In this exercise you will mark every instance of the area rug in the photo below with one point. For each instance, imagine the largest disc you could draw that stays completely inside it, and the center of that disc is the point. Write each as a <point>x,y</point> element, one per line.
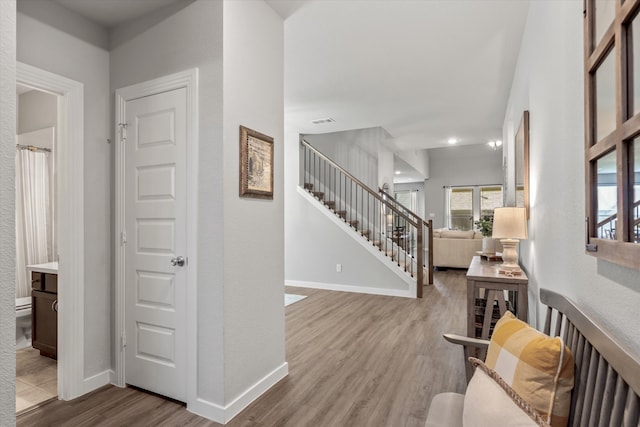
<point>291,298</point>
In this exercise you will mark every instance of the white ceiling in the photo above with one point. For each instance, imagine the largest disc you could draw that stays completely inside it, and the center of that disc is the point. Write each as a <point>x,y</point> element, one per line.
<point>424,70</point>
<point>111,13</point>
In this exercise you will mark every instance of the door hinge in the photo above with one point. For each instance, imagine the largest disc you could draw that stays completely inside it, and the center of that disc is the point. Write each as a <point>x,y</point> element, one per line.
<point>123,339</point>
<point>123,238</point>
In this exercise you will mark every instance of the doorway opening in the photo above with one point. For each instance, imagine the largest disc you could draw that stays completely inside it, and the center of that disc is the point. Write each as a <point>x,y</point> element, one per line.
<point>36,248</point>
<point>69,228</point>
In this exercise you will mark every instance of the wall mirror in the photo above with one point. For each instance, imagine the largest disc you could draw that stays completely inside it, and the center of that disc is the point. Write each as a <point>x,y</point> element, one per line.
<point>522,163</point>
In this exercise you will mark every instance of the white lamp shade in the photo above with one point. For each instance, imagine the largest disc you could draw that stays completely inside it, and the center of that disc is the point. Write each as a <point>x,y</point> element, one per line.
<point>510,223</point>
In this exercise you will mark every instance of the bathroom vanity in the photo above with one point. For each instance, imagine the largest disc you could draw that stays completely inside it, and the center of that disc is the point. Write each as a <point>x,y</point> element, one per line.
<point>44,308</point>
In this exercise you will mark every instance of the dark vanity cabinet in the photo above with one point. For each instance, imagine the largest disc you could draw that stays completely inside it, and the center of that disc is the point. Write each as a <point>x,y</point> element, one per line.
<point>44,313</point>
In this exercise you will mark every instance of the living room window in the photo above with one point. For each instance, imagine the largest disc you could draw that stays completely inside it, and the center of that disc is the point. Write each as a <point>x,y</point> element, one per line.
<point>490,198</point>
<point>460,211</point>
<point>612,130</point>
<point>467,204</point>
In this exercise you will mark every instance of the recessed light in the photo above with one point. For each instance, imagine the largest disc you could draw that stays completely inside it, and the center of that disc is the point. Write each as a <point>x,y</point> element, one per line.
<point>494,144</point>
<point>397,172</point>
<point>323,121</point>
<point>452,141</point>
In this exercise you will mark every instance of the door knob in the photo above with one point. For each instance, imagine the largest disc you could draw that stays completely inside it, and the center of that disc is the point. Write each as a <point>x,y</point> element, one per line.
<point>177,261</point>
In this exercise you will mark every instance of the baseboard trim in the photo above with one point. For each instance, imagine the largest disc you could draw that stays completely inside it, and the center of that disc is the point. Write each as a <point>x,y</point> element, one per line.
<point>223,415</point>
<point>351,288</point>
<point>96,381</point>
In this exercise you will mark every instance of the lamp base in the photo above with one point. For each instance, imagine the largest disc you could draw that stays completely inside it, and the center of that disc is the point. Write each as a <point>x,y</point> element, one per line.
<point>510,265</point>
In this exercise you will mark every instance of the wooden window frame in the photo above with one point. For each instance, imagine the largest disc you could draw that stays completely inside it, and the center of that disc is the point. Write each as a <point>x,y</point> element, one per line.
<point>621,250</point>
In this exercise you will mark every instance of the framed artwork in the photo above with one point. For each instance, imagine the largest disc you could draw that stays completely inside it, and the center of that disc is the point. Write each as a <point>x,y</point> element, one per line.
<point>522,163</point>
<point>256,164</point>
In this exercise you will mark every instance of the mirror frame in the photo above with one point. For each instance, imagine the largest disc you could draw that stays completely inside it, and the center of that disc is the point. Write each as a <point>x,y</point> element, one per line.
<point>521,152</point>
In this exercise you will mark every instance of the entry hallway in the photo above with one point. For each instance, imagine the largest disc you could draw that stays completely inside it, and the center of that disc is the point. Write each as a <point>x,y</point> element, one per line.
<point>354,360</point>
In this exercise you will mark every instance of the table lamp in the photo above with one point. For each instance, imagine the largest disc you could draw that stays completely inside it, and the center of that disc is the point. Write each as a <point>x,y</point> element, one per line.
<point>510,226</point>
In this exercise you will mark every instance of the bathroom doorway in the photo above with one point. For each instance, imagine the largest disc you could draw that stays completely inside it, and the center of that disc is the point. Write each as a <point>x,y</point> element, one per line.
<point>69,153</point>
<point>36,248</point>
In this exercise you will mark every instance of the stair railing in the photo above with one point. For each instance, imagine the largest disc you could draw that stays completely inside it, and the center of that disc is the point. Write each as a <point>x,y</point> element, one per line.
<point>376,219</point>
<point>427,244</point>
<point>607,227</point>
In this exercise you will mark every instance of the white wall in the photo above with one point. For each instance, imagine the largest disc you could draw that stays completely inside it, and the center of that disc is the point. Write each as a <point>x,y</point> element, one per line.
<point>7,211</point>
<point>54,50</point>
<point>238,48</point>
<point>549,83</point>
<point>37,110</point>
<point>254,229</point>
<point>455,166</point>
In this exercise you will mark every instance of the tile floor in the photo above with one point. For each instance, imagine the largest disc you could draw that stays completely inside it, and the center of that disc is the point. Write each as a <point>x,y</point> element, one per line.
<point>36,378</point>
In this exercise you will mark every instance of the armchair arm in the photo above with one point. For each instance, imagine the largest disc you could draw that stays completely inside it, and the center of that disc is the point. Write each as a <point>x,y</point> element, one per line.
<point>471,347</point>
<point>466,341</point>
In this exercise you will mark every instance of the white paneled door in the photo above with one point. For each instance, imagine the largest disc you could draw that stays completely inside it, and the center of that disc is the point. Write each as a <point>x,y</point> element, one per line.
<point>156,260</point>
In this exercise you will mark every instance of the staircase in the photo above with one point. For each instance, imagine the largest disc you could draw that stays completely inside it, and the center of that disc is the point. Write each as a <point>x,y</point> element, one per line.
<point>376,217</point>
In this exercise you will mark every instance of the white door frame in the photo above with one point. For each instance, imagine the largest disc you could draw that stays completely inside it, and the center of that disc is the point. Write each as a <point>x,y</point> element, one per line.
<point>69,157</point>
<point>187,79</point>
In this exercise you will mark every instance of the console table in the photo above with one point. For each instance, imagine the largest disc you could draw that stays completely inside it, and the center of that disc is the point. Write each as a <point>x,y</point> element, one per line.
<point>486,301</point>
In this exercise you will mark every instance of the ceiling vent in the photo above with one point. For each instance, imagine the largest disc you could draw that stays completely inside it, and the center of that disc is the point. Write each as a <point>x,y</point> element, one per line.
<point>322,121</point>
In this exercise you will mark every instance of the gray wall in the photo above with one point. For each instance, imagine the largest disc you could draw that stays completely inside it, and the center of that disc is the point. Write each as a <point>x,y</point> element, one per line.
<point>37,110</point>
<point>549,83</point>
<point>254,229</point>
<point>455,166</point>
<point>315,244</point>
<point>51,49</point>
<point>355,150</point>
<point>7,212</point>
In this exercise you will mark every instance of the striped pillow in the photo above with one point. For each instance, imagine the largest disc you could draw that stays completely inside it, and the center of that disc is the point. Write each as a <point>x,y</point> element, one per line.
<point>539,368</point>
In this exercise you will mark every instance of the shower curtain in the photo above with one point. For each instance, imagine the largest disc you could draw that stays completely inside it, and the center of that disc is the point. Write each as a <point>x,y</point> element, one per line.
<point>34,231</point>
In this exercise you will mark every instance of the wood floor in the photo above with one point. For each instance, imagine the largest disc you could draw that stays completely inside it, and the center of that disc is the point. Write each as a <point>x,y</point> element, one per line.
<point>354,360</point>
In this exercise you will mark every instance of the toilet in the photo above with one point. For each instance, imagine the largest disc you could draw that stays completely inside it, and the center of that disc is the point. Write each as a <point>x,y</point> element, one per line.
<point>23,322</point>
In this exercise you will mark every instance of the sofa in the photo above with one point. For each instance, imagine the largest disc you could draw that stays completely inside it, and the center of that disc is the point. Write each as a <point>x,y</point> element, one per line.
<point>455,248</point>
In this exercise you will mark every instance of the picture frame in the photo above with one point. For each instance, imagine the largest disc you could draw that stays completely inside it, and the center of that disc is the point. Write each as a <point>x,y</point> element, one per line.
<point>256,164</point>
<point>522,163</point>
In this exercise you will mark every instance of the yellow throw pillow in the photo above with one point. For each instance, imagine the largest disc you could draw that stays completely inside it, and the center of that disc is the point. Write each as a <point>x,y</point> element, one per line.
<point>539,368</point>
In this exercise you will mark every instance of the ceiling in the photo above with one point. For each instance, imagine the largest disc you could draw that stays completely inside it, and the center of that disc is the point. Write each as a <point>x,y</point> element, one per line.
<point>424,70</point>
<point>111,13</point>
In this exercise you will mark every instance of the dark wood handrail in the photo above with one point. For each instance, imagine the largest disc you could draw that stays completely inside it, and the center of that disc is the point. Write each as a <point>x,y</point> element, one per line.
<point>607,220</point>
<point>425,224</point>
<point>360,184</point>
<point>615,215</point>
